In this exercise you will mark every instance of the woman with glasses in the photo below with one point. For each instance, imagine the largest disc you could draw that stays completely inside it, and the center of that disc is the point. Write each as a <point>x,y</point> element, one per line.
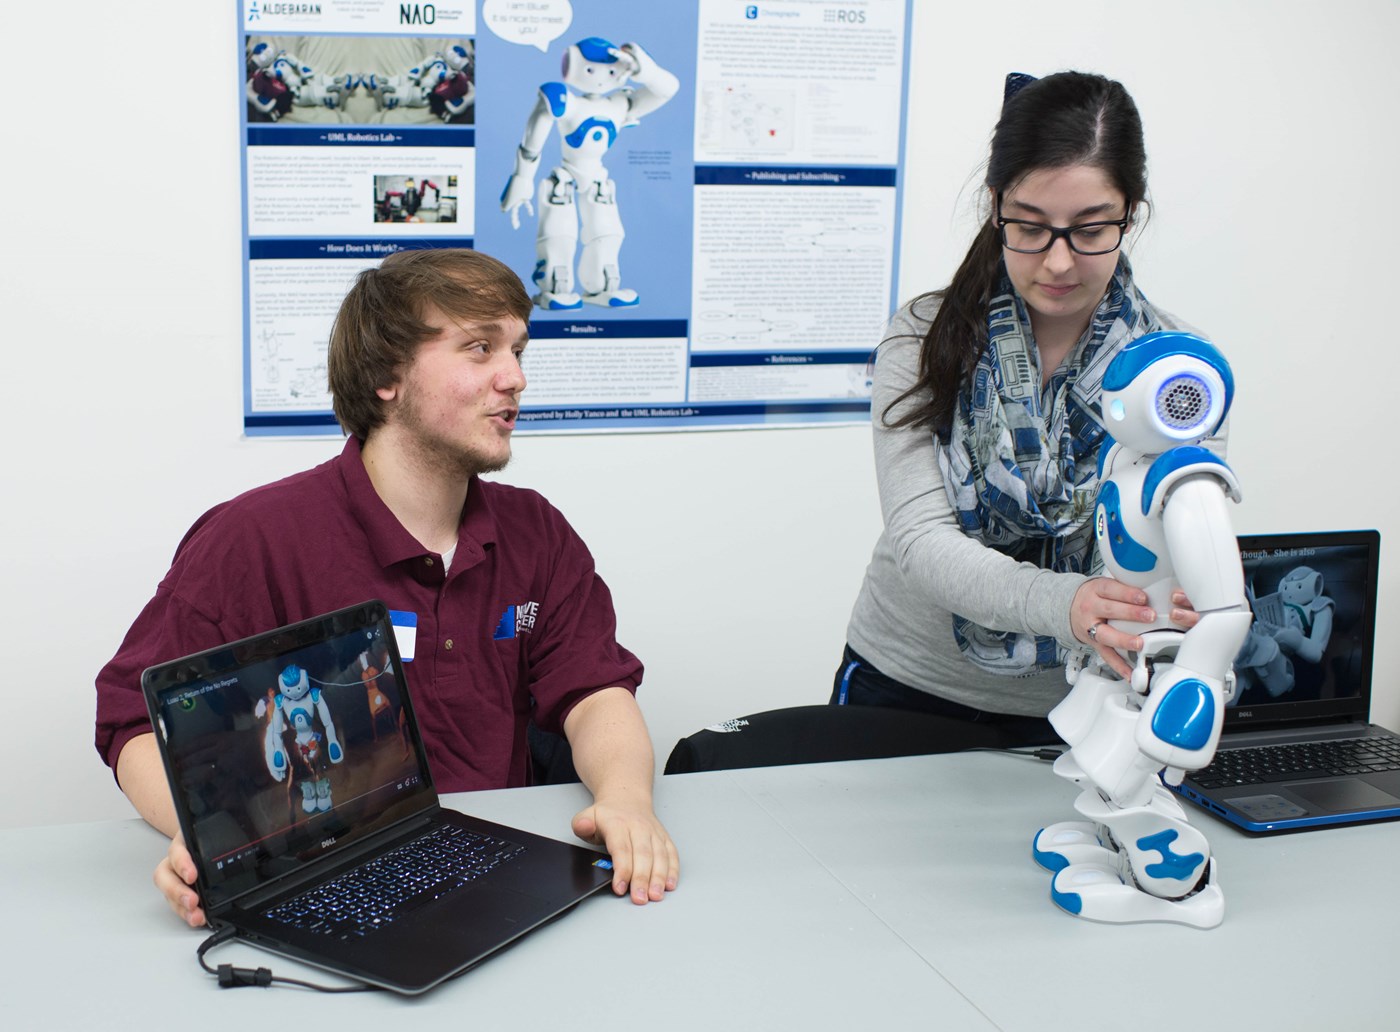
<point>987,432</point>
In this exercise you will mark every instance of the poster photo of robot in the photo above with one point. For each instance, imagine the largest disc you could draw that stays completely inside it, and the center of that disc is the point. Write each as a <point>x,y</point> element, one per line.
<point>426,197</point>
<point>360,80</point>
<point>598,132</point>
<point>1304,641</point>
<point>320,731</point>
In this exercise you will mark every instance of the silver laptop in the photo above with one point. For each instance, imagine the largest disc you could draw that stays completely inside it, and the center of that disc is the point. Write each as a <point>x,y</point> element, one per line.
<point>1298,749</point>
<point>303,790</point>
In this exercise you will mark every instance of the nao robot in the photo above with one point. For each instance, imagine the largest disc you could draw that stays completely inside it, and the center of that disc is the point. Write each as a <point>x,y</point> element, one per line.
<point>279,81</point>
<point>297,706</point>
<point>1162,521</point>
<point>591,106</point>
<point>444,82</point>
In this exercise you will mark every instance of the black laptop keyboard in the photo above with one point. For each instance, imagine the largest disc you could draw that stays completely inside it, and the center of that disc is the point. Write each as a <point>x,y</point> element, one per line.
<point>384,889</point>
<point>1258,765</point>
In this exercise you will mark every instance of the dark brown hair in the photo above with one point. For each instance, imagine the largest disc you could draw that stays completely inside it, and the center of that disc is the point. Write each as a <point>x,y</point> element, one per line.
<point>381,321</point>
<point>1062,120</point>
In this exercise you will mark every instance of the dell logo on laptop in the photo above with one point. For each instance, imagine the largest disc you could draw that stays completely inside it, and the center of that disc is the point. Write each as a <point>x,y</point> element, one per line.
<point>327,843</point>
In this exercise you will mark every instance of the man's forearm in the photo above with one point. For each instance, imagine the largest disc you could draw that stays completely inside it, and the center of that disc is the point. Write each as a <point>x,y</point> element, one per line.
<point>141,775</point>
<point>611,746</point>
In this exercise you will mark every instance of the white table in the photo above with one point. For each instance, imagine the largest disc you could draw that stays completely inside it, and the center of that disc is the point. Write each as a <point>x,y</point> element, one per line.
<point>880,894</point>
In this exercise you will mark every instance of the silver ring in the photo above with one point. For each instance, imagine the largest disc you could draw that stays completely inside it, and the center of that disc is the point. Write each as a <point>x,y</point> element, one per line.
<point>1094,633</point>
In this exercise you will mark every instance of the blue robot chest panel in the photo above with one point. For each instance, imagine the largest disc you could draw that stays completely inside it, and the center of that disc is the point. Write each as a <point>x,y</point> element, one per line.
<point>1116,541</point>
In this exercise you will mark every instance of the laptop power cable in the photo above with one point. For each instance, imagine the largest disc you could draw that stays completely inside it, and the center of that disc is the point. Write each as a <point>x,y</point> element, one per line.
<point>231,977</point>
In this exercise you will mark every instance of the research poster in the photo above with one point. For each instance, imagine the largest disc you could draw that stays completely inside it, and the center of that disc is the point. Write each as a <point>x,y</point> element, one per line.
<point>701,196</point>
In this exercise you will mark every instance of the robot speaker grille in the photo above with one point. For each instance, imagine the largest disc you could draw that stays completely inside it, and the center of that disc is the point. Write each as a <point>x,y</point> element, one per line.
<point>1183,402</point>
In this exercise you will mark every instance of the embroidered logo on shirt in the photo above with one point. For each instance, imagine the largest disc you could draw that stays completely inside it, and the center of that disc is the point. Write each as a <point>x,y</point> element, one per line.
<point>516,620</point>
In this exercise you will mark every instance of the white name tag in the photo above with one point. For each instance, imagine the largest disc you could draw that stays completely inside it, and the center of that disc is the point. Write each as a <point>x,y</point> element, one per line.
<point>405,632</point>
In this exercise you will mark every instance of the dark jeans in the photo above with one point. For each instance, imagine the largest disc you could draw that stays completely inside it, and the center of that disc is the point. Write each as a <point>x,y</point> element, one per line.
<point>858,683</point>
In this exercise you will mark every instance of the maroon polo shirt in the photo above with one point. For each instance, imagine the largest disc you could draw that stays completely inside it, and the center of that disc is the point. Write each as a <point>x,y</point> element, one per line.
<point>323,539</point>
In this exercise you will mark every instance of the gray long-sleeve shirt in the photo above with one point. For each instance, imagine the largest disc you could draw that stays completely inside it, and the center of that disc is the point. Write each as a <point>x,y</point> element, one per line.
<point>924,568</point>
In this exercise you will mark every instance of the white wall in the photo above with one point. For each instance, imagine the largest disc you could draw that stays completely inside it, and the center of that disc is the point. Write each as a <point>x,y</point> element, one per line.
<point>734,557</point>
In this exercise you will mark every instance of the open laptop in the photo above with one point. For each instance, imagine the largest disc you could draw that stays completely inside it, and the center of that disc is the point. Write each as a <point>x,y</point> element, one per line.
<point>1297,750</point>
<point>283,859</point>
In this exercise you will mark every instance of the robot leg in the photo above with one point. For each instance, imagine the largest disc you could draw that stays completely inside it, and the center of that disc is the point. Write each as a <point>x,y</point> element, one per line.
<point>556,243</point>
<point>308,795</point>
<point>323,794</point>
<point>602,241</point>
<point>1163,869</point>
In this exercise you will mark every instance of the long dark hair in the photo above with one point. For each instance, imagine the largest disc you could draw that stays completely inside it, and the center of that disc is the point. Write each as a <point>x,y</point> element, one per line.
<point>1062,120</point>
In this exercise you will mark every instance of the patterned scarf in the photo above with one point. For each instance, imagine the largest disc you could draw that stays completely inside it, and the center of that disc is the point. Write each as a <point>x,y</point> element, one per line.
<point>1021,465</point>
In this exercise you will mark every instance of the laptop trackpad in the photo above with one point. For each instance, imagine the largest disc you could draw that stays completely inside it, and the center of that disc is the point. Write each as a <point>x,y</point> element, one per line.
<point>1341,796</point>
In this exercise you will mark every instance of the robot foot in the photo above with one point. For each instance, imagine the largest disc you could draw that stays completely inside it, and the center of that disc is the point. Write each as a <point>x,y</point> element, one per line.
<point>1098,893</point>
<point>621,298</point>
<point>552,302</point>
<point>1057,846</point>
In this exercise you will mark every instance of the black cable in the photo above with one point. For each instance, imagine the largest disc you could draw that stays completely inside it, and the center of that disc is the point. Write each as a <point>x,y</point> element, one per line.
<point>231,977</point>
<point>1047,753</point>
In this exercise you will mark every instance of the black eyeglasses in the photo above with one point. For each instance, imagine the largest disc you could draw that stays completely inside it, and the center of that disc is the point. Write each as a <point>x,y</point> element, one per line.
<point>1089,238</point>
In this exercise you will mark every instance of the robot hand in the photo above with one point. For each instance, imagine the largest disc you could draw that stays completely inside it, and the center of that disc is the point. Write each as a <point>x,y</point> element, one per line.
<point>324,90</point>
<point>635,63</point>
<point>520,188</point>
<point>657,84</point>
<point>519,193</point>
<point>396,91</point>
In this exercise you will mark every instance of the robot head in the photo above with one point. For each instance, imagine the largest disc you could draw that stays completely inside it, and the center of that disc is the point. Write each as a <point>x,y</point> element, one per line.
<point>1165,390</point>
<point>294,682</point>
<point>591,67</point>
<point>1300,586</point>
<point>262,56</point>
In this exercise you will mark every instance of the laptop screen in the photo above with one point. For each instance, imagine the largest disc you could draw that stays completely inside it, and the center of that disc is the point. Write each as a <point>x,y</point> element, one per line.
<point>288,746</point>
<point>1308,654</point>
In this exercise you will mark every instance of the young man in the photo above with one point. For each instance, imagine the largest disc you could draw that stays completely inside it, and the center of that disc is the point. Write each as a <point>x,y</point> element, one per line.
<point>424,368</point>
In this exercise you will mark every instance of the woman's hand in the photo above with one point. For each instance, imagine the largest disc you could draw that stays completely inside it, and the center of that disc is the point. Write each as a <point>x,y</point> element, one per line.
<point>1103,599</point>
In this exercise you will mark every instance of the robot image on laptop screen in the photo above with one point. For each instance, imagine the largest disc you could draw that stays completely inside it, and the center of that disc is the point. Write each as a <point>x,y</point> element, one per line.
<point>289,753</point>
<point>1305,643</point>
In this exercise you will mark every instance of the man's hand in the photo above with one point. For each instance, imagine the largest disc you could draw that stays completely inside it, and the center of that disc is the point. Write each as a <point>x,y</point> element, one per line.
<point>175,877</point>
<point>643,856</point>
<point>612,754</point>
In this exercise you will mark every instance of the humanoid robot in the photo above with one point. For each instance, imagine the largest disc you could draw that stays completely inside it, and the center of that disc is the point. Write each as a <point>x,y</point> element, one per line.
<point>591,106</point>
<point>279,82</point>
<point>1161,521</point>
<point>443,82</point>
<point>297,705</point>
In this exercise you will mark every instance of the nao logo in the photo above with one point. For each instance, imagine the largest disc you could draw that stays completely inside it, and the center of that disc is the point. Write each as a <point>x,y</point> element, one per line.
<point>417,14</point>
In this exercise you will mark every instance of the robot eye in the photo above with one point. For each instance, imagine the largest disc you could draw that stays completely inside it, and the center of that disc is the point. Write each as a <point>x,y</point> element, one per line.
<point>1183,402</point>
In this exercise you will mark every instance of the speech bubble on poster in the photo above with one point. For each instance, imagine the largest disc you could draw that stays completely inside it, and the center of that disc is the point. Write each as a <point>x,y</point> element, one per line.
<point>530,23</point>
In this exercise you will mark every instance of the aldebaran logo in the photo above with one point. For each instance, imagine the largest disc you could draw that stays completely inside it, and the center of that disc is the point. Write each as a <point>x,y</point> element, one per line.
<point>278,8</point>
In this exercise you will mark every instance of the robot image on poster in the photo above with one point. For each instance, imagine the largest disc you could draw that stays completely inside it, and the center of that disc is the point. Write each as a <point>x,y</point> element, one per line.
<point>1162,522</point>
<point>604,89</point>
<point>297,707</point>
<point>444,82</point>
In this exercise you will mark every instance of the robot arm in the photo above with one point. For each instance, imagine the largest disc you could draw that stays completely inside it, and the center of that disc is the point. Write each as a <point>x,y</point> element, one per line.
<point>273,753</point>
<point>520,188</point>
<point>656,85</point>
<point>1184,711</point>
<point>333,749</point>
